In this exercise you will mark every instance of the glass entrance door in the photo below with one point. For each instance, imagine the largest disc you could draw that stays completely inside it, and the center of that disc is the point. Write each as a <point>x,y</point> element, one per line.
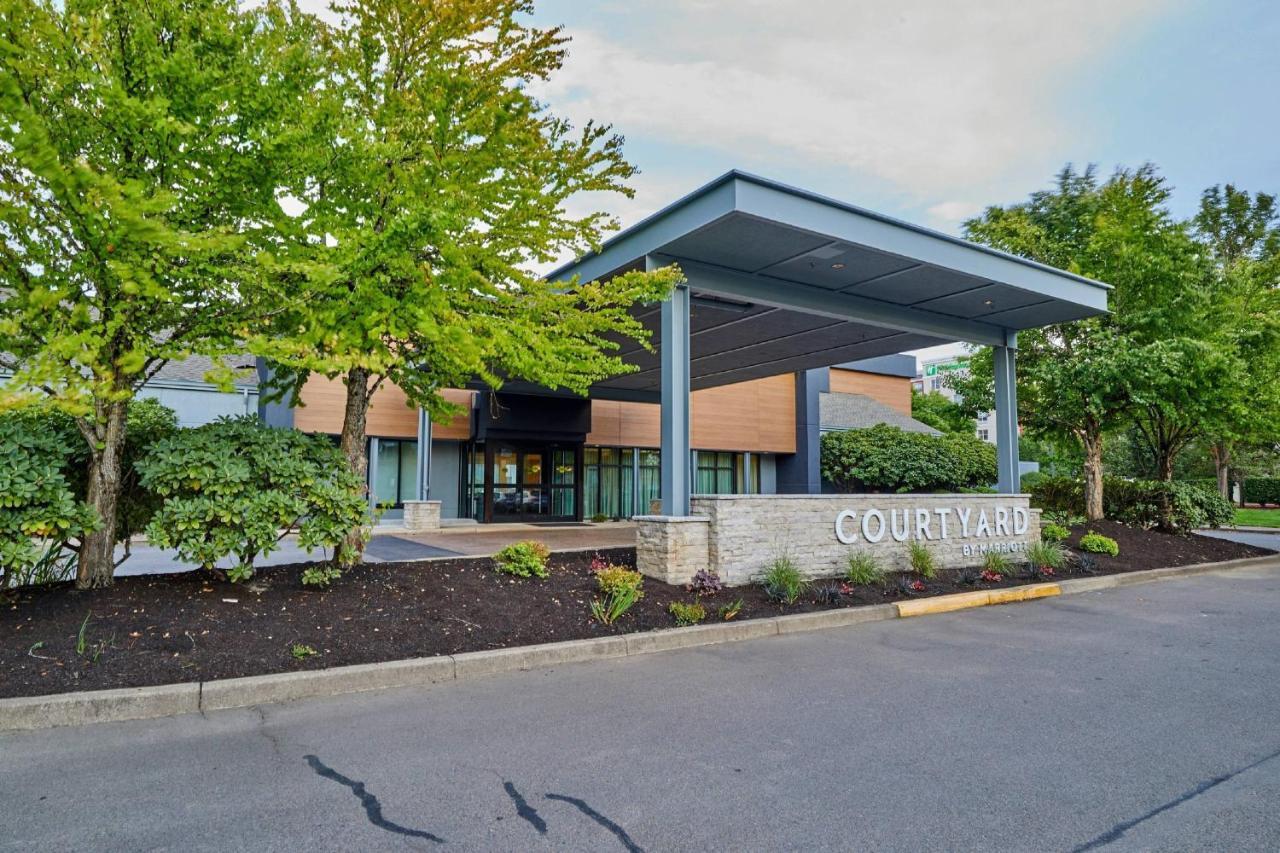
<point>532,483</point>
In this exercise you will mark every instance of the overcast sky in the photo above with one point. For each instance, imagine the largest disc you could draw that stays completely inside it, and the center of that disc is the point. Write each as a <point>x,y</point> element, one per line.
<point>926,110</point>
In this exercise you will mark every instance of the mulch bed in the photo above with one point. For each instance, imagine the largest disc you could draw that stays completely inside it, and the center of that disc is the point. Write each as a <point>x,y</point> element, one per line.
<point>160,629</point>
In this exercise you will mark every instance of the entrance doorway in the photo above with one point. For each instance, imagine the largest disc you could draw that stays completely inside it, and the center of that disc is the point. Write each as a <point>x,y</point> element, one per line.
<point>531,482</point>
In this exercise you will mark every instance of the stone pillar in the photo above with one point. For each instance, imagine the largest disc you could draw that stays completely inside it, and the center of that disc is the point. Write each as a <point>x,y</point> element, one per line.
<point>671,548</point>
<point>421,516</point>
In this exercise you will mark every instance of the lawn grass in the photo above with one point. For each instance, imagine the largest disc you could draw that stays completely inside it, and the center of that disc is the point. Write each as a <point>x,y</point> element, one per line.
<point>1258,517</point>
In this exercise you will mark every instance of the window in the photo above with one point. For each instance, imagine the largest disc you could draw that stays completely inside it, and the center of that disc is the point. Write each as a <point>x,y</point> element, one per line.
<point>650,479</point>
<point>473,500</point>
<point>982,434</point>
<point>724,473</point>
<point>395,471</point>
<point>607,486</point>
<point>715,473</point>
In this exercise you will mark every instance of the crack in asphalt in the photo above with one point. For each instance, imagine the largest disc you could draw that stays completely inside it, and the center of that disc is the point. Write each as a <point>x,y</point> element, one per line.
<point>274,740</point>
<point>618,832</point>
<point>524,810</point>
<point>1117,832</point>
<point>372,807</point>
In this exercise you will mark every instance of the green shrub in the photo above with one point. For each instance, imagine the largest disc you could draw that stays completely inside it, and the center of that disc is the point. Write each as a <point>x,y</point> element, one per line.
<point>1046,555</point>
<point>885,458</point>
<point>1137,502</point>
<point>40,517</point>
<point>783,582</point>
<point>1030,479</point>
<point>523,559</point>
<point>301,651</point>
<point>1058,495</point>
<point>730,611</point>
<point>320,575</point>
<point>921,559</point>
<point>1099,544</point>
<point>614,578</point>
<point>864,569</point>
<point>147,423</point>
<point>690,613</point>
<point>1261,490</point>
<point>232,486</point>
<point>611,607</point>
<point>1054,532</point>
<point>998,562</point>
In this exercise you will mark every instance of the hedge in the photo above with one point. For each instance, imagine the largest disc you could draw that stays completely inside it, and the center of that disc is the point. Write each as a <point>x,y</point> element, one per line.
<point>885,458</point>
<point>1261,490</point>
<point>1137,502</point>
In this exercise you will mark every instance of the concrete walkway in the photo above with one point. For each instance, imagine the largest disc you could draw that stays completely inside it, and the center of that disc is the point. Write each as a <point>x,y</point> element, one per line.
<point>393,545</point>
<point>1140,718</point>
<point>1257,538</point>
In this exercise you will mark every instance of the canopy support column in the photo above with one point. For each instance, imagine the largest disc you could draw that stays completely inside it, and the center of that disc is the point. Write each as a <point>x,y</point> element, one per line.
<point>1006,382</point>
<point>676,450</point>
<point>424,455</point>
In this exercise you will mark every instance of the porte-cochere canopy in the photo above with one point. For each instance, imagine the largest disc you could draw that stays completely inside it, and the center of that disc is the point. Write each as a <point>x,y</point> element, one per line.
<point>781,279</point>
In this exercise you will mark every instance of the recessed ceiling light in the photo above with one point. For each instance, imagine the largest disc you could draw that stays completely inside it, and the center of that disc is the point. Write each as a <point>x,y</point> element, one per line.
<point>987,302</point>
<point>837,266</point>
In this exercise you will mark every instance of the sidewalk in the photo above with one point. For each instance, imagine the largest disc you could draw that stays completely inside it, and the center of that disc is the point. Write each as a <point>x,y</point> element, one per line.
<point>392,544</point>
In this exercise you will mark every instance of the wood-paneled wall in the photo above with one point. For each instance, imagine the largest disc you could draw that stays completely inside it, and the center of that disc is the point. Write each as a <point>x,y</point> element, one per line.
<point>758,416</point>
<point>893,391</point>
<point>390,415</point>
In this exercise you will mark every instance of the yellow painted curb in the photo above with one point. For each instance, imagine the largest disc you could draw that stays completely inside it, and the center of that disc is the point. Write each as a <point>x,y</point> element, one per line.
<point>1024,593</point>
<point>942,604</point>
<point>964,600</point>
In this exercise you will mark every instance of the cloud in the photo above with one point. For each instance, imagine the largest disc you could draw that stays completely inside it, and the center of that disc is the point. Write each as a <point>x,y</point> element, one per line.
<point>930,98</point>
<point>949,215</point>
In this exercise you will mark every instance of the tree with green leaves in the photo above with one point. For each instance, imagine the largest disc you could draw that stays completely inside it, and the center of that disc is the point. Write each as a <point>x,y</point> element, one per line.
<point>1162,363</point>
<point>139,150</point>
<point>433,184</point>
<point>940,413</point>
<point>1072,377</point>
<point>1242,235</point>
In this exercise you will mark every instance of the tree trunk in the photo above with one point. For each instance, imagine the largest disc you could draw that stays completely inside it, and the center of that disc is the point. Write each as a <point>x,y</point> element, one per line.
<point>1221,453</point>
<point>1092,441</point>
<point>355,448</point>
<point>96,566</point>
<point>1164,473</point>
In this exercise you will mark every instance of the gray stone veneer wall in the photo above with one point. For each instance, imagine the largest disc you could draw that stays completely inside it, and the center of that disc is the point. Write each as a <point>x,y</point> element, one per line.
<point>743,534</point>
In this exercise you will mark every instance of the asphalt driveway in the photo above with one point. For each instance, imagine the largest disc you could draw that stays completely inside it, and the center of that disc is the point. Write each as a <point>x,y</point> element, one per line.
<point>1137,718</point>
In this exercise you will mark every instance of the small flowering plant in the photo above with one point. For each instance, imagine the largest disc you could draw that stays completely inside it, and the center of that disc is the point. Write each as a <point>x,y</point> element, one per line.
<point>705,582</point>
<point>992,577</point>
<point>599,564</point>
<point>911,586</point>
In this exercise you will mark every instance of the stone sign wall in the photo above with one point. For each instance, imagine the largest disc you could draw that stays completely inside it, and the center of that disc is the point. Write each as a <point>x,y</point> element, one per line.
<point>738,536</point>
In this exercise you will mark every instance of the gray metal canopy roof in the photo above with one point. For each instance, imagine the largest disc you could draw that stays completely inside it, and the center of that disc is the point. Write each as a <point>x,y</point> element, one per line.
<point>783,279</point>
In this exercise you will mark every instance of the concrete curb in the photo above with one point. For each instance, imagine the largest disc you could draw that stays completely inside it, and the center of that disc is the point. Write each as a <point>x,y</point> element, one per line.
<point>100,706</point>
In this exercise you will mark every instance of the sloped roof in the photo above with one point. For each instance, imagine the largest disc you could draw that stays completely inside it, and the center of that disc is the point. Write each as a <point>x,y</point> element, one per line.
<point>193,369</point>
<point>858,411</point>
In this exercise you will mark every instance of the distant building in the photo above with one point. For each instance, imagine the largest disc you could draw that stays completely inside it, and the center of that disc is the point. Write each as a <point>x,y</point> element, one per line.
<point>932,380</point>
<point>181,386</point>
